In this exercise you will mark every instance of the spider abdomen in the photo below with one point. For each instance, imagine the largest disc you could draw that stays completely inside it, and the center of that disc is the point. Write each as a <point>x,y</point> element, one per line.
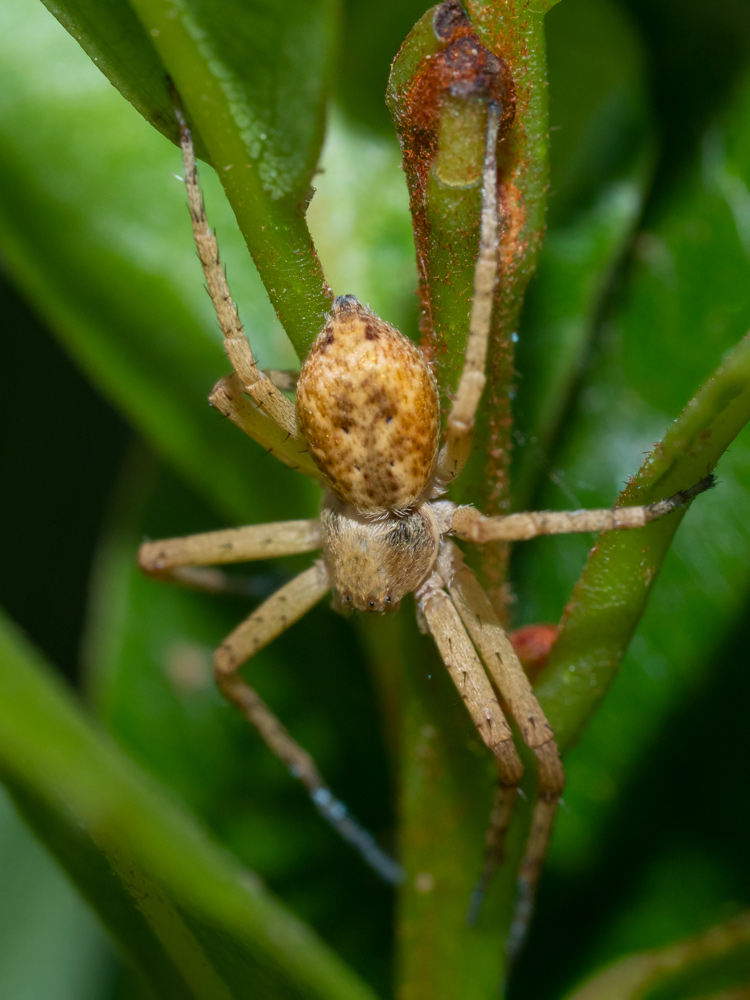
<point>367,405</point>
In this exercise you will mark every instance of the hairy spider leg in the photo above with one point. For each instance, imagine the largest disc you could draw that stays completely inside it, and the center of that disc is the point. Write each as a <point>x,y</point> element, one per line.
<point>270,418</point>
<point>180,559</point>
<point>276,414</point>
<point>460,423</point>
<point>230,399</point>
<point>472,526</point>
<point>459,614</point>
<point>469,600</point>
<point>497,653</point>
<point>467,673</point>
<point>496,650</point>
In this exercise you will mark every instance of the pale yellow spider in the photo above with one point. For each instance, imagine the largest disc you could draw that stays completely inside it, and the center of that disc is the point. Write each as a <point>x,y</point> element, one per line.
<point>366,425</point>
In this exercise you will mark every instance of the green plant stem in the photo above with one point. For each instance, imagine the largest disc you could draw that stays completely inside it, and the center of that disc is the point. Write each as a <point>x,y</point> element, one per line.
<point>443,159</point>
<point>274,227</point>
<point>610,597</point>
<point>514,31</point>
<point>447,775</point>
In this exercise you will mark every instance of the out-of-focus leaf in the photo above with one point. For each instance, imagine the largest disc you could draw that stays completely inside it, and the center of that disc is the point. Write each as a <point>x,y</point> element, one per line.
<point>98,235</point>
<point>41,914</point>
<point>621,411</point>
<point>714,961</point>
<point>195,922</point>
<point>274,60</point>
<point>601,155</point>
<point>679,652</point>
<point>609,600</point>
<point>150,670</point>
<point>264,149</point>
<point>677,867</point>
<point>256,80</point>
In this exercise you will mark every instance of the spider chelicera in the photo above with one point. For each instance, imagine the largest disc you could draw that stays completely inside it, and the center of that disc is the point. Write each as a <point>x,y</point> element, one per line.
<point>366,425</point>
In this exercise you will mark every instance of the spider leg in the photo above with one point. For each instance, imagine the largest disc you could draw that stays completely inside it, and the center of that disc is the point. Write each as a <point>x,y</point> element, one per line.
<point>497,652</point>
<point>460,424</point>
<point>186,560</point>
<point>183,560</point>
<point>466,670</point>
<point>258,386</point>
<point>472,526</point>
<point>274,616</point>
<point>231,400</point>
<point>231,545</point>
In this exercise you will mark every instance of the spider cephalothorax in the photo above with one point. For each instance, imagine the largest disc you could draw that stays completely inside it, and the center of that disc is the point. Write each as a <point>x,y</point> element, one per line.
<point>375,562</point>
<point>366,425</point>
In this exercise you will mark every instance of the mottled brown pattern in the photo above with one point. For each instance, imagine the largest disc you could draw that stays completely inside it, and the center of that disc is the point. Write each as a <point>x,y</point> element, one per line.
<point>367,405</point>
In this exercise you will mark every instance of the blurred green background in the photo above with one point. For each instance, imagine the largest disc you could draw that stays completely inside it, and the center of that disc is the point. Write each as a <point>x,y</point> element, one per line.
<point>645,284</point>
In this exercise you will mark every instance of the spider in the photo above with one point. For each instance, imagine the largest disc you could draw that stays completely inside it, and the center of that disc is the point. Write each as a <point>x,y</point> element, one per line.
<point>366,424</point>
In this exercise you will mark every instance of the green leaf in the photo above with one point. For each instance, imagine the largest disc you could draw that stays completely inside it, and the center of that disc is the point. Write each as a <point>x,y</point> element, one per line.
<point>196,923</point>
<point>149,669</point>
<point>98,235</point>
<point>114,39</point>
<point>664,725</point>
<point>68,152</point>
<point>610,598</point>
<point>625,406</point>
<point>255,83</point>
<point>41,914</point>
<point>601,140</point>
<point>275,62</point>
<point>251,130</point>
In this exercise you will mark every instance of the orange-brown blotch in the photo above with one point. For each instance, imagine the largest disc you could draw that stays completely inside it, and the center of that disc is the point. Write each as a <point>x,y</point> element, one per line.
<point>367,404</point>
